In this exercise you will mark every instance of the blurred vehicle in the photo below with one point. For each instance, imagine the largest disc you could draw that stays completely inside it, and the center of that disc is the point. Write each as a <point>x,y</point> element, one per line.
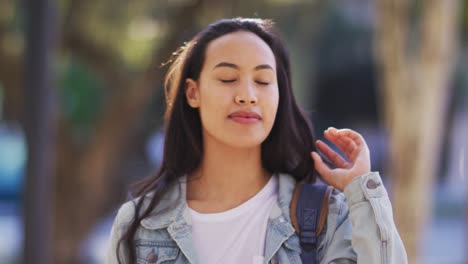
<point>12,167</point>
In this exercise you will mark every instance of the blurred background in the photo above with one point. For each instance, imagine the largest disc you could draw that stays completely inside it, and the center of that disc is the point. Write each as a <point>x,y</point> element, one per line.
<point>82,103</point>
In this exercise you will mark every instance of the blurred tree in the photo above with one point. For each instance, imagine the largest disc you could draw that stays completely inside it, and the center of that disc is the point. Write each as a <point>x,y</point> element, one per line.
<point>40,124</point>
<point>415,48</point>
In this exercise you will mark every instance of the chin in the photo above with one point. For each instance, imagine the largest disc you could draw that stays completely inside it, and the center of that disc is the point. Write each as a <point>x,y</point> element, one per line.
<point>236,138</point>
<point>246,141</point>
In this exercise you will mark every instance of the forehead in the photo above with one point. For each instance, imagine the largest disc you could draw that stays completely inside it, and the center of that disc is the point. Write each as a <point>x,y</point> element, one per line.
<point>242,48</point>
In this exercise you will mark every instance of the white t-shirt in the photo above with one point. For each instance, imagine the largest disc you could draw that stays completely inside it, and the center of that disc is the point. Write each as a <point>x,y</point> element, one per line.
<point>236,235</point>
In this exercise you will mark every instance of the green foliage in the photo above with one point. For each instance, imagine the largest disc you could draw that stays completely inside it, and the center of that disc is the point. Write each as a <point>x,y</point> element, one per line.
<point>82,95</point>
<point>142,36</point>
<point>464,23</point>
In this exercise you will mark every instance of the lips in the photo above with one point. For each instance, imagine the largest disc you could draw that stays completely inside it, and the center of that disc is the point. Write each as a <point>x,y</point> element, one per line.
<point>245,117</point>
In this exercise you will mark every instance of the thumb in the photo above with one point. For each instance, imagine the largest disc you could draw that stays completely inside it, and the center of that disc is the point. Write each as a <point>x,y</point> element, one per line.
<point>320,166</point>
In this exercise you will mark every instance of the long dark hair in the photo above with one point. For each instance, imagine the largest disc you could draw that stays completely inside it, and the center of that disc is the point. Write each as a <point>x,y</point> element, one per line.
<point>286,149</point>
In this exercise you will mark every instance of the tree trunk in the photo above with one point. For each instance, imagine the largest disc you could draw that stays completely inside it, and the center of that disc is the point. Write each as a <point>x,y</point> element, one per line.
<point>416,89</point>
<point>40,130</point>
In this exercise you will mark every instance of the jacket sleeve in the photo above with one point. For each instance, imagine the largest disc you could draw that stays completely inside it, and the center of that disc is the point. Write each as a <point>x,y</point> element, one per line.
<point>366,234</point>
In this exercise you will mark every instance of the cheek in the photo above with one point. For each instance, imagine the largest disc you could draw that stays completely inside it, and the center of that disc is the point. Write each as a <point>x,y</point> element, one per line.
<point>271,104</point>
<point>213,103</point>
<point>214,98</point>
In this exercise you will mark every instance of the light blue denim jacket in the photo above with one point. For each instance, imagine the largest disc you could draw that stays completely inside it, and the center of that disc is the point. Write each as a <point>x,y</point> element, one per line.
<point>360,228</point>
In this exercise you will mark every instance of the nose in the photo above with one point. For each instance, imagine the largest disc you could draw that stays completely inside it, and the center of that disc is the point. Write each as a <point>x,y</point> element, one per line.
<point>246,97</point>
<point>246,100</point>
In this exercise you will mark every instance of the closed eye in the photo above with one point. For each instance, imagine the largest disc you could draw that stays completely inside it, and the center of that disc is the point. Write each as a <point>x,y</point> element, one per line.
<point>262,83</point>
<point>228,81</point>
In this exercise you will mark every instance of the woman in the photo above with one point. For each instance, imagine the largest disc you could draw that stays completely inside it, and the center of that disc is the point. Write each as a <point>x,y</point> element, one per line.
<point>236,144</point>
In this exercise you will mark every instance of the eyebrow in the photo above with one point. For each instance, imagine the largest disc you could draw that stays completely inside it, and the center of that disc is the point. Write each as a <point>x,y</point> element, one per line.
<point>234,66</point>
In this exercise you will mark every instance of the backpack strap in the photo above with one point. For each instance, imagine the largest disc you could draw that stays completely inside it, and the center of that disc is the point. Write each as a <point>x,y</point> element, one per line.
<point>309,211</point>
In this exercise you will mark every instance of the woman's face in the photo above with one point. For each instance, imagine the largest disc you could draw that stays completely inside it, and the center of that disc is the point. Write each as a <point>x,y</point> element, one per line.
<point>237,92</point>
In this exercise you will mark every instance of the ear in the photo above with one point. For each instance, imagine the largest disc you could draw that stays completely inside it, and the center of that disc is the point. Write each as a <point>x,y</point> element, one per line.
<point>192,93</point>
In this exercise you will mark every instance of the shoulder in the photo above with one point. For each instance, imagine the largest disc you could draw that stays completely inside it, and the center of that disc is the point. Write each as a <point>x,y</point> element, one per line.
<point>150,230</point>
<point>126,213</point>
<point>162,209</point>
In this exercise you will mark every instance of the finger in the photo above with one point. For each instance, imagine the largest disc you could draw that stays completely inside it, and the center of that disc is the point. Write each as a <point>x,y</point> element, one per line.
<point>345,132</point>
<point>332,155</point>
<point>319,165</point>
<point>355,136</point>
<point>333,134</point>
<point>358,140</point>
<point>346,145</point>
<point>326,173</point>
<point>349,147</point>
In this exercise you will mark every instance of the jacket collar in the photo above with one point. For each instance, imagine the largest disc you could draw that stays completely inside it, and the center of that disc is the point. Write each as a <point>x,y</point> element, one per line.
<point>173,204</point>
<point>170,208</point>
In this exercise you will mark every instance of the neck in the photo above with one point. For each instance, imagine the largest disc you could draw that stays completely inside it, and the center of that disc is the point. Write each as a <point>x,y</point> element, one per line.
<point>227,176</point>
